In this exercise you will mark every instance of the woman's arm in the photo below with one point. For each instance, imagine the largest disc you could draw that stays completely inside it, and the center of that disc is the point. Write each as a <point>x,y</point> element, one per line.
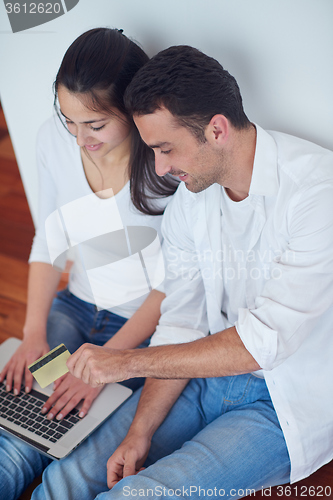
<point>42,285</point>
<point>141,325</point>
<point>43,281</point>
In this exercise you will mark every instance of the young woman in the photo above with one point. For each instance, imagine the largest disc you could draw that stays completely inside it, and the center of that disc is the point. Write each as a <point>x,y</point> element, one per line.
<point>98,177</point>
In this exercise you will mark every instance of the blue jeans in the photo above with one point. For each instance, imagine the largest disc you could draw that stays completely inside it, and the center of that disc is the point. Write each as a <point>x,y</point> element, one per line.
<point>73,322</point>
<point>222,436</point>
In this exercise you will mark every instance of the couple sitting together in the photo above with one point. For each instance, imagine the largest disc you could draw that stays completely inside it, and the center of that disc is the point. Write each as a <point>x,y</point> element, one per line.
<point>236,345</point>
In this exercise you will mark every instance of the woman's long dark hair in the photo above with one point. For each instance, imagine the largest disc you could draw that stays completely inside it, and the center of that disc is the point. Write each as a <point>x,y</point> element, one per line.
<point>100,64</point>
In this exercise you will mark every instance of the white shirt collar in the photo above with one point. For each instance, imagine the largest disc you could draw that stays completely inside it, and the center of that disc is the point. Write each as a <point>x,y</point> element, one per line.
<point>264,180</point>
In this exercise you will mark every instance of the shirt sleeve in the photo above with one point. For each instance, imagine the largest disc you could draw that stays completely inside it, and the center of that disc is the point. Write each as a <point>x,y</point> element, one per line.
<point>47,195</point>
<point>183,311</point>
<point>300,289</point>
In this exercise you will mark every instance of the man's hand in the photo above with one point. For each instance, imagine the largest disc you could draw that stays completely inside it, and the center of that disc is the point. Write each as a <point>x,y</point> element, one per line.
<point>128,458</point>
<point>17,367</point>
<point>69,391</point>
<point>156,400</point>
<point>97,366</point>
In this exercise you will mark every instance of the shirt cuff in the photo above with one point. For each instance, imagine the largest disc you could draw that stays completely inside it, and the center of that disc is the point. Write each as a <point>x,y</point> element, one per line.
<point>59,265</point>
<point>258,338</point>
<point>174,335</point>
<point>160,287</point>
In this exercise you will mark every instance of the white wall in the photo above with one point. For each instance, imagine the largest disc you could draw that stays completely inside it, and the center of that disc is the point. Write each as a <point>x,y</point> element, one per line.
<point>280,51</point>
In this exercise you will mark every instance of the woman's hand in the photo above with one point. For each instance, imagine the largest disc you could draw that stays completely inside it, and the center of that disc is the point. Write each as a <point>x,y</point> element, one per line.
<point>29,351</point>
<point>68,392</point>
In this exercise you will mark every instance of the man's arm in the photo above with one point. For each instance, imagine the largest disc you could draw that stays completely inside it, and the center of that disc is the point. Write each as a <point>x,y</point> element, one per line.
<point>220,354</point>
<point>69,391</point>
<point>217,355</point>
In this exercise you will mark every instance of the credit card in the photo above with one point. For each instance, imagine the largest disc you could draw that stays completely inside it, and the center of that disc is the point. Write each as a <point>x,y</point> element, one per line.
<point>51,366</point>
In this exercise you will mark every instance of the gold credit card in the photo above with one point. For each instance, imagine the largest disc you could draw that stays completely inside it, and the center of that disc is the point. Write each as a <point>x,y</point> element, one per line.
<point>51,366</point>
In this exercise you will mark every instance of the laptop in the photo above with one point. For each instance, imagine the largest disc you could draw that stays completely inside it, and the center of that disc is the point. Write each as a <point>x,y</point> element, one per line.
<point>20,416</point>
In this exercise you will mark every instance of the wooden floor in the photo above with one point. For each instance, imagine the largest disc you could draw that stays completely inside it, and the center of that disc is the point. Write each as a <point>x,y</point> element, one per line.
<point>16,233</point>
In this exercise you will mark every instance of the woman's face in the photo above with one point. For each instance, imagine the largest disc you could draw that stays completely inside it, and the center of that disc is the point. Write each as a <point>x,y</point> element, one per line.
<point>97,131</point>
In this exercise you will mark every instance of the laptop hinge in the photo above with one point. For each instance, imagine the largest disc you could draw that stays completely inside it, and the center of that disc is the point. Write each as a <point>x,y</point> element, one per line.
<point>40,447</point>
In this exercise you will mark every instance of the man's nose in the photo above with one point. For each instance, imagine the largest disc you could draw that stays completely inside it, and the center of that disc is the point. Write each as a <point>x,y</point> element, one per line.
<point>162,164</point>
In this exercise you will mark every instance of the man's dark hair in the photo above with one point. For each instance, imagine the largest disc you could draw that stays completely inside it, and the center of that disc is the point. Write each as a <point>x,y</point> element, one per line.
<point>191,85</point>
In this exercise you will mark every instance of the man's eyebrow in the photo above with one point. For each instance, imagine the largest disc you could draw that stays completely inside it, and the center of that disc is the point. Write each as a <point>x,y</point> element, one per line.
<point>159,145</point>
<point>90,121</point>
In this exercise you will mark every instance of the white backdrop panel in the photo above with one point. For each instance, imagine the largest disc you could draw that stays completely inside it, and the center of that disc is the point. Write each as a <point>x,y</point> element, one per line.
<point>280,51</point>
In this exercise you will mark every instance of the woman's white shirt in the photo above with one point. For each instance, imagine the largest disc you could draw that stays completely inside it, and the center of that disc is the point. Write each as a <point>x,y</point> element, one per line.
<point>100,235</point>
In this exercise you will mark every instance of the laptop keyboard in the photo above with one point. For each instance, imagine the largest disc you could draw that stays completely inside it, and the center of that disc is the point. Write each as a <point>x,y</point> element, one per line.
<point>25,411</point>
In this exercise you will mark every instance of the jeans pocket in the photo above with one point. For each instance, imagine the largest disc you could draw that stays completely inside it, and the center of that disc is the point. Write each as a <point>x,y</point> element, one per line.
<point>238,390</point>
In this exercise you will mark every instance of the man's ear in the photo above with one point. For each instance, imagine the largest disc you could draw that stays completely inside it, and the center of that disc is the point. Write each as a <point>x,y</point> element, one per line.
<point>217,131</point>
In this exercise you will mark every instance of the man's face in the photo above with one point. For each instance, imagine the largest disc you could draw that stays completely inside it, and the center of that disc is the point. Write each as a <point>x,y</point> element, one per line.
<point>178,152</point>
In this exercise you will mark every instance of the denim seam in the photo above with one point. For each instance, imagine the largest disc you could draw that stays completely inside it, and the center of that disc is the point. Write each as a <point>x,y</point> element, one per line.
<point>246,390</point>
<point>105,321</point>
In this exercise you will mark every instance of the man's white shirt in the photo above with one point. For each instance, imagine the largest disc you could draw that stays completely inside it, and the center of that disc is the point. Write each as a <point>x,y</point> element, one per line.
<point>269,273</point>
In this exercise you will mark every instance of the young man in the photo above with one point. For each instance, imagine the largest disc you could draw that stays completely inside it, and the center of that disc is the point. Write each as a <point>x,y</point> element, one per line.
<point>248,242</point>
